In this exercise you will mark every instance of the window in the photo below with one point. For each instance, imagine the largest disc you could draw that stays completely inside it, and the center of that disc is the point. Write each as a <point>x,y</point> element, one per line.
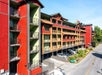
<point>53,20</point>
<point>59,22</point>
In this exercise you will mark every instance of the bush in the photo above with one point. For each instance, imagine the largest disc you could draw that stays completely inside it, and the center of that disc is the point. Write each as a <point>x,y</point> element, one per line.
<point>87,51</point>
<point>81,53</point>
<point>76,56</point>
<point>90,49</point>
<point>71,58</point>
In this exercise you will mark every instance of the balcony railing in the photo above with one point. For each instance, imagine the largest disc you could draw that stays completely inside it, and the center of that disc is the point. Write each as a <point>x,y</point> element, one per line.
<point>13,13</point>
<point>34,50</point>
<point>47,40</point>
<point>54,31</point>
<point>14,42</point>
<point>34,35</point>
<point>14,3</point>
<point>59,31</point>
<point>54,47</point>
<point>14,28</point>
<point>34,21</point>
<point>54,39</point>
<point>46,49</point>
<point>36,63</point>
<point>59,39</point>
<point>64,46</point>
<point>14,57</point>
<point>59,46</point>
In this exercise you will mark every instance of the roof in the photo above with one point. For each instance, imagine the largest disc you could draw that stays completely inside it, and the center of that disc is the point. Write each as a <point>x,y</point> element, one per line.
<point>36,1</point>
<point>46,21</point>
<point>53,15</point>
<point>40,4</point>
<point>87,25</point>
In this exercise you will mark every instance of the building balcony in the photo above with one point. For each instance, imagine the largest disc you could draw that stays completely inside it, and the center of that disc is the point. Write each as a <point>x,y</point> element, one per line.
<point>64,46</point>
<point>54,48</point>
<point>70,45</point>
<point>71,39</point>
<point>34,50</point>
<point>14,57</point>
<point>58,39</point>
<point>46,49</point>
<point>69,33</point>
<point>45,31</point>
<point>37,63</point>
<point>83,30</point>
<point>59,32</point>
<point>54,39</point>
<point>54,31</point>
<point>82,34</point>
<point>14,42</point>
<point>82,39</point>
<point>47,40</point>
<point>14,14</point>
<point>65,40</point>
<point>15,29</point>
<point>34,35</point>
<point>34,21</point>
<point>59,46</point>
<point>14,3</point>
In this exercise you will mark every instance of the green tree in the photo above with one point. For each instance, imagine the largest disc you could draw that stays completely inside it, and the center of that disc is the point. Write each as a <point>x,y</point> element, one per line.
<point>98,34</point>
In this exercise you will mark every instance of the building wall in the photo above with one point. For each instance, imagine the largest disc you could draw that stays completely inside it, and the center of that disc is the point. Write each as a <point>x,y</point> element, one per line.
<point>88,35</point>
<point>36,71</point>
<point>4,42</point>
<point>23,36</point>
<point>61,36</point>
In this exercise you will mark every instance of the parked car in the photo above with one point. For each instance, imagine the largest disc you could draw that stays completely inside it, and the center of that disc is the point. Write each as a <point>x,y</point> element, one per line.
<point>60,55</point>
<point>72,51</point>
<point>67,54</point>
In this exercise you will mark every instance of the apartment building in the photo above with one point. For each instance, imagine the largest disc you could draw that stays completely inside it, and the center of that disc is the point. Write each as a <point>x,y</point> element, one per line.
<point>20,51</point>
<point>59,35</point>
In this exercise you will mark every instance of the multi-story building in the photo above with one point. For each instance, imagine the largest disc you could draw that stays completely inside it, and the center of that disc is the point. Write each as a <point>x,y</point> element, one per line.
<point>24,37</point>
<point>20,37</point>
<point>59,35</point>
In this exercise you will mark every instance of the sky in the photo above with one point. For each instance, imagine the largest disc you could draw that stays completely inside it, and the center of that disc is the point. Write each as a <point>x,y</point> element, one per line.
<point>86,11</point>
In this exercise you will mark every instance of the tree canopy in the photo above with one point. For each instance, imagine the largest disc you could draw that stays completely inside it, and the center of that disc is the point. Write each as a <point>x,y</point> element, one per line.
<point>98,34</point>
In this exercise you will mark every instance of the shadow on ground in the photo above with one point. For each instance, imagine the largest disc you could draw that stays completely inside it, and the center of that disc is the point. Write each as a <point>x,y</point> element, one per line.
<point>97,55</point>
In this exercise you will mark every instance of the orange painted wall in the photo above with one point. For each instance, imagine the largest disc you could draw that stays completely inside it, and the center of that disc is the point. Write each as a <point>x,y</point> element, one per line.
<point>23,36</point>
<point>36,71</point>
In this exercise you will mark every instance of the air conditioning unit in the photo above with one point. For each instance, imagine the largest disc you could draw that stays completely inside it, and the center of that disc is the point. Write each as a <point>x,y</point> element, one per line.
<point>2,71</point>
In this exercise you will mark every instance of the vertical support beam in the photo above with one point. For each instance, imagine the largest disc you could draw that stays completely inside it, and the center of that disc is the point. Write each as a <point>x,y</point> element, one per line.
<point>51,39</point>
<point>28,35</point>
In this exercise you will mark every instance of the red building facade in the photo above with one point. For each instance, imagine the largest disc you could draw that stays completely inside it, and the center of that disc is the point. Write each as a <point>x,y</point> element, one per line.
<point>15,57</point>
<point>88,35</point>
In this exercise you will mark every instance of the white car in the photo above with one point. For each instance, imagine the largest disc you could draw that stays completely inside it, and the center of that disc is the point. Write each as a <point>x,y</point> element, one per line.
<point>72,51</point>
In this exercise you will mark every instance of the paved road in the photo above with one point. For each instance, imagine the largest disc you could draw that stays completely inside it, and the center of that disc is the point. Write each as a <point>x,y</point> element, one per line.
<point>91,65</point>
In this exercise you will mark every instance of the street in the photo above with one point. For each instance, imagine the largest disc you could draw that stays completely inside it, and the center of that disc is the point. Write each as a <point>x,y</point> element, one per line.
<point>91,65</point>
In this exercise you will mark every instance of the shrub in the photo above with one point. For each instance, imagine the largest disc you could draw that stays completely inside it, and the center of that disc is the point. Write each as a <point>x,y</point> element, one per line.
<point>81,53</point>
<point>90,49</point>
<point>71,58</point>
<point>76,56</point>
<point>87,51</point>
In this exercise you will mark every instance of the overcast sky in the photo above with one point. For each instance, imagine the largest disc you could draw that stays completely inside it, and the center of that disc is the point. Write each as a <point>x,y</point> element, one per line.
<point>86,11</point>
